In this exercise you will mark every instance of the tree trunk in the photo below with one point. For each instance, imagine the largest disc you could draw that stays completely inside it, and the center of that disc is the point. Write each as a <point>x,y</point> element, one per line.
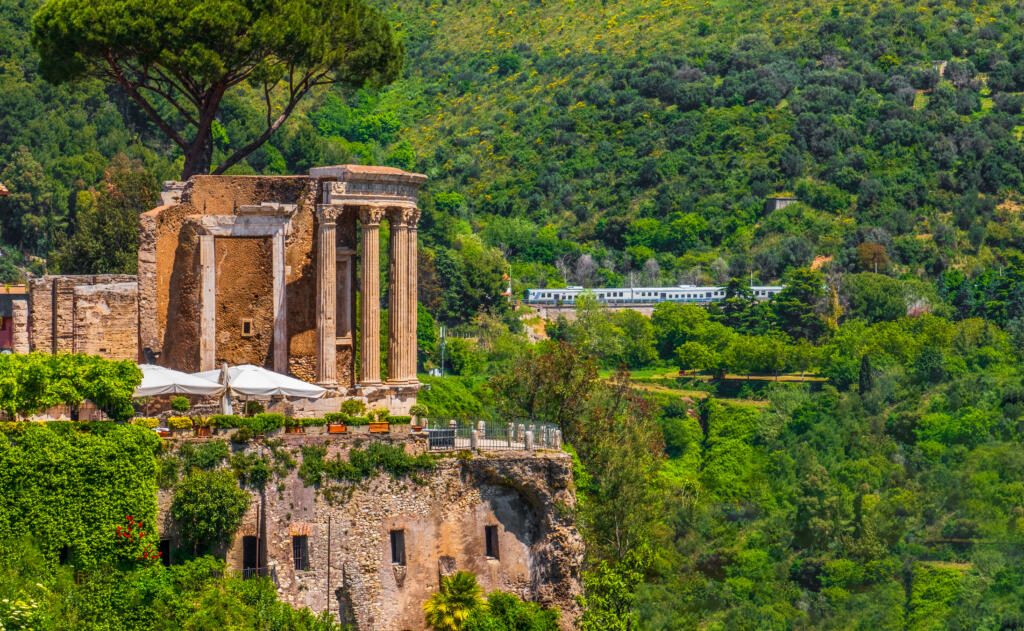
<point>199,157</point>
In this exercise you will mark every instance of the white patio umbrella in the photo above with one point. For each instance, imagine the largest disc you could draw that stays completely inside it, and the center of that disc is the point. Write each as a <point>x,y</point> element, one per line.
<point>157,380</point>
<point>254,381</point>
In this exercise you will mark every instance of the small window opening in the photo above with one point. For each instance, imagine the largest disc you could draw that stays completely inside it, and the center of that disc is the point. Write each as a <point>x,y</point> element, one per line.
<point>165,551</point>
<point>246,327</point>
<point>398,547</point>
<point>65,555</point>
<point>491,541</point>
<point>300,552</point>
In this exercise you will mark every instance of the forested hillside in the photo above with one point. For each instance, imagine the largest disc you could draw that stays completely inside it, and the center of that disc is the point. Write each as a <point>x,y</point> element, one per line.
<point>587,141</point>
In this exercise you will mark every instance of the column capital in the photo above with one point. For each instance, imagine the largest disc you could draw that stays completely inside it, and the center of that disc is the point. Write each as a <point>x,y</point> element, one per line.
<point>407,216</point>
<point>328,213</point>
<point>371,215</point>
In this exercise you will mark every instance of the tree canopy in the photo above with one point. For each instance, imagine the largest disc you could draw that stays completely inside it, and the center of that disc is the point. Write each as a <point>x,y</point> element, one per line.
<point>177,61</point>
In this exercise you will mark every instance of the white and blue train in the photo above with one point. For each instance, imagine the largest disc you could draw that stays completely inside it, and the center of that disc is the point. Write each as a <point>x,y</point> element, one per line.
<point>641,295</point>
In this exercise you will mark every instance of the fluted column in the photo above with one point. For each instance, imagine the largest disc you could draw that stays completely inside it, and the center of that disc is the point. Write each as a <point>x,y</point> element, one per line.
<point>327,295</point>
<point>369,369</point>
<point>398,293</point>
<point>412,292</point>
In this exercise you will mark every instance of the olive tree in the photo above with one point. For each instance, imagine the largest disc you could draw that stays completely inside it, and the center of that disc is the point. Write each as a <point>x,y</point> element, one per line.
<point>177,60</point>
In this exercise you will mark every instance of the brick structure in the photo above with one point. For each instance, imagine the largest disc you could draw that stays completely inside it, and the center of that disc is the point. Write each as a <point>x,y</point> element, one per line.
<point>259,270</point>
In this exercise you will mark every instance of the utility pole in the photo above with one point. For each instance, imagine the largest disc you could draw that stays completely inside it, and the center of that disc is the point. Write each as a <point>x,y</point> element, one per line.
<point>442,349</point>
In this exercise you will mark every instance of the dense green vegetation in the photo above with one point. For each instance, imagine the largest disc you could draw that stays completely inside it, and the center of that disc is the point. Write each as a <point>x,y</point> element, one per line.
<point>599,142</point>
<point>636,141</point>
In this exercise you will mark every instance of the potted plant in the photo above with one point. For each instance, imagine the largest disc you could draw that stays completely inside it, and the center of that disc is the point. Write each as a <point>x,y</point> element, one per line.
<point>179,425</point>
<point>293,425</point>
<point>419,413</point>
<point>378,418</point>
<point>203,427</point>
<point>337,422</point>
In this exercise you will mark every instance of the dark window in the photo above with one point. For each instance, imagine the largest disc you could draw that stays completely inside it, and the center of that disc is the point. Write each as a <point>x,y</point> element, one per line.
<point>491,538</point>
<point>165,551</point>
<point>398,547</point>
<point>247,327</point>
<point>300,552</point>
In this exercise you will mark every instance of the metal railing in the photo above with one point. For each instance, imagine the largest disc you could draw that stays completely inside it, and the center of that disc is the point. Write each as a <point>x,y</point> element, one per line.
<point>453,435</point>
<point>253,572</point>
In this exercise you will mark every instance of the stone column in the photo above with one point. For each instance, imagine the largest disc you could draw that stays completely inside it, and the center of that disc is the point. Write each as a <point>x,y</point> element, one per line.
<point>398,309</point>
<point>19,336</point>
<point>369,368</point>
<point>207,302</point>
<point>280,305</point>
<point>413,292</point>
<point>327,295</point>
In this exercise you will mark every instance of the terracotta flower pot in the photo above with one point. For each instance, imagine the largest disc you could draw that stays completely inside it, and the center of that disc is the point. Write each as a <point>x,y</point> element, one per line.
<point>336,428</point>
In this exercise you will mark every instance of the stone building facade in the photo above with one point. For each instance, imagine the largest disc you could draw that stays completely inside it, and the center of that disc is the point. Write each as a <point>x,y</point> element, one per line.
<point>371,553</point>
<point>288,273</point>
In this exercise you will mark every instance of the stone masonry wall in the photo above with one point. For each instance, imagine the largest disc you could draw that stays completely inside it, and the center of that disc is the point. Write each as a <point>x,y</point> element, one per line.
<point>52,313</point>
<point>107,320</point>
<point>528,496</point>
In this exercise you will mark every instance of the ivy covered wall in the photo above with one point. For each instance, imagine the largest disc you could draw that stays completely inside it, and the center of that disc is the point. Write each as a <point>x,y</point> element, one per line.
<point>64,487</point>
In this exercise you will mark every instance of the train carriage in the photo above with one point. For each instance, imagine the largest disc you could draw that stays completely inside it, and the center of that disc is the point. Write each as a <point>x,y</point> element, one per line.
<point>641,295</point>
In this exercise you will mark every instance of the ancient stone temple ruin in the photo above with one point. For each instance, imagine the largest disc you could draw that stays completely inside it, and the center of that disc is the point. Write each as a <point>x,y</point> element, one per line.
<point>282,272</point>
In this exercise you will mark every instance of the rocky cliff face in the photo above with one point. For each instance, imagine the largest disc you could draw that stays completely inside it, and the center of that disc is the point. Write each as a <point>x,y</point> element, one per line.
<point>377,549</point>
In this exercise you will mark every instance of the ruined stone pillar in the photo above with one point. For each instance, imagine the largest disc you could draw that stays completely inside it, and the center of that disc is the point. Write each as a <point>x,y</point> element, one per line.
<point>369,368</point>
<point>327,295</point>
<point>280,306</point>
<point>398,310</point>
<point>19,335</point>
<point>207,301</point>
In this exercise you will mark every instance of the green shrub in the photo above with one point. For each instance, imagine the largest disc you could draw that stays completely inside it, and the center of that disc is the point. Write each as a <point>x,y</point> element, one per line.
<point>291,421</point>
<point>242,435</point>
<point>225,421</point>
<point>181,404</point>
<point>253,407</point>
<point>399,420</point>
<point>145,421</point>
<point>179,422</point>
<point>419,410</point>
<point>265,422</point>
<point>208,507</point>
<point>320,420</point>
<point>357,420</point>
<point>353,407</point>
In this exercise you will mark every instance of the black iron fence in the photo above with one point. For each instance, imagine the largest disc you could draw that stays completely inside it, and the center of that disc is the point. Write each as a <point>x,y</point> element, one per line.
<point>451,435</point>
